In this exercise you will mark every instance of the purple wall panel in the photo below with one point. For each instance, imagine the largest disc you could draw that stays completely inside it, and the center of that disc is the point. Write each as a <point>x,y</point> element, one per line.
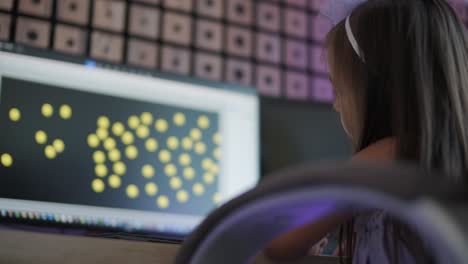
<point>273,45</point>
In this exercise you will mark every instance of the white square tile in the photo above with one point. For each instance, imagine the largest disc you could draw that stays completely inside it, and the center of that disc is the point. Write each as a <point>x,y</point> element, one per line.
<point>209,35</point>
<point>5,25</point>
<point>268,48</point>
<point>317,5</point>
<point>105,46</point>
<point>175,60</point>
<point>297,86</point>
<point>144,21</point>
<point>73,11</point>
<point>296,54</point>
<point>153,2</point>
<point>183,5</point>
<point>239,72</point>
<point>318,61</point>
<point>6,4</point>
<point>142,53</point>
<point>208,66</point>
<point>33,32</point>
<point>268,81</point>
<point>268,16</point>
<point>70,40</point>
<point>295,23</point>
<point>322,90</point>
<point>320,26</point>
<point>42,8</point>
<point>177,28</point>
<point>298,3</point>
<point>239,41</point>
<point>240,11</point>
<point>109,15</point>
<point>210,8</point>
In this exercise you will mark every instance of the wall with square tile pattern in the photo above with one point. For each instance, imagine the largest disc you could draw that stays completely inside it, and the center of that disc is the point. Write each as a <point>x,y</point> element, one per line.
<point>273,45</point>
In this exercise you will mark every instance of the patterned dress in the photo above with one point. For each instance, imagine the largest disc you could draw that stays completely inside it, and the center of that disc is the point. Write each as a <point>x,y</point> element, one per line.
<point>370,244</point>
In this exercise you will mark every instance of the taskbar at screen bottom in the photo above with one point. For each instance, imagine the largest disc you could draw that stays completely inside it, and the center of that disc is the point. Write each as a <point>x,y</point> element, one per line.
<point>95,218</point>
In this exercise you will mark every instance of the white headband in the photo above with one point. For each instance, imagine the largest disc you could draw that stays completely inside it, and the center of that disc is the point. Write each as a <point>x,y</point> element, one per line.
<point>352,40</point>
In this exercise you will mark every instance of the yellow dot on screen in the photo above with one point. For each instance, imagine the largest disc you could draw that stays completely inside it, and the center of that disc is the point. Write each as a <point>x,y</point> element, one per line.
<point>187,143</point>
<point>172,143</point>
<point>170,170</point>
<point>217,153</point>
<point>142,131</point>
<point>47,110</point>
<point>114,155</point>
<point>114,181</point>
<point>59,146</point>
<point>164,156</point>
<point>217,138</point>
<point>215,169</point>
<point>161,125</point>
<point>196,134</point>
<point>50,152</point>
<point>15,114</point>
<point>208,178</point>
<point>179,119</point>
<point>118,128</point>
<point>182,196</point>
<point>109,144</point>
<point>185,159</point>
<point>198,189</point>
<point>131,152</point>
<point>147,171</point>
<point>133,122</point>
<point>98,185</point>
<point>200,148</point>
<point>162,202</point>
<point>6,160</point>
<point>119,168</point>
<point>207,163</point>
<point>127,138</point>
<point>65,112</point>
<point>151,145</point>
<point>175,183</point>
<point>41,137</point>
<point>103,121</point>
<point>203,122</point>
<point>146,118</point>
<point>216,198</point>
<point>100,170</point>
<point>189,173</point>
<point>93,141</point>
<point>151,189</point>
<point>102,133</point>
<point>99,157</point>
<point>132,191</point>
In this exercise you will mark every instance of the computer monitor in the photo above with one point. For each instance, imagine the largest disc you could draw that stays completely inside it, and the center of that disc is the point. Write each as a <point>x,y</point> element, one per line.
<point>96,147</point>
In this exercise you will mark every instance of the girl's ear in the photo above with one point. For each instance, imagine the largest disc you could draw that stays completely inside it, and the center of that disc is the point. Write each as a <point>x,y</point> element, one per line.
<point>337,104</point>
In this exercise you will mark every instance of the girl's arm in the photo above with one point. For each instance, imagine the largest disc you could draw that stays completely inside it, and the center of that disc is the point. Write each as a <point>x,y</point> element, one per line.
<point>297,243</point>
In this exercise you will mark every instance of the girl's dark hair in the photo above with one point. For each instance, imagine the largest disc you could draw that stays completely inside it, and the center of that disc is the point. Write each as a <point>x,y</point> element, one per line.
<point>413,85</point>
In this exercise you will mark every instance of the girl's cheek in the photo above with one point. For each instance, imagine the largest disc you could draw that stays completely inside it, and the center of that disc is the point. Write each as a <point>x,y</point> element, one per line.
<point>337,105</point>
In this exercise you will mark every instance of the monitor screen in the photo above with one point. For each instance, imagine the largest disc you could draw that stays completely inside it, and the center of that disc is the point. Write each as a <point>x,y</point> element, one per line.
<point>90,146</point>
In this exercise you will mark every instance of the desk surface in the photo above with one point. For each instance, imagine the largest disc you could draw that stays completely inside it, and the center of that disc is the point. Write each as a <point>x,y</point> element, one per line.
<point>17,247</point>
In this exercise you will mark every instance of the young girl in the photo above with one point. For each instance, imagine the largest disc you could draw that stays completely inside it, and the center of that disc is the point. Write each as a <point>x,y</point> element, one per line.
<point>400,72</point>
